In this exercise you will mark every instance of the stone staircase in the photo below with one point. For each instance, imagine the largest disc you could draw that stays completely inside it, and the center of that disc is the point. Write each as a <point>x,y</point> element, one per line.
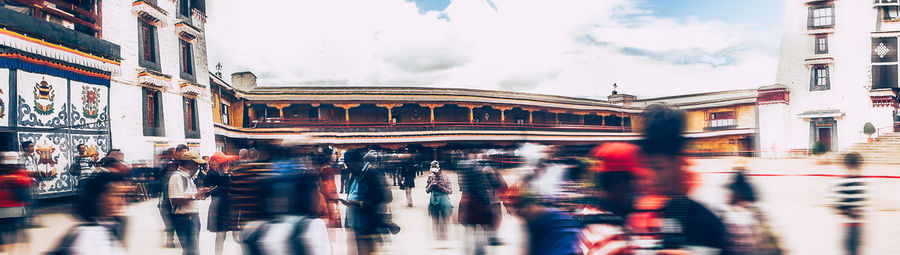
<point>882,150</point>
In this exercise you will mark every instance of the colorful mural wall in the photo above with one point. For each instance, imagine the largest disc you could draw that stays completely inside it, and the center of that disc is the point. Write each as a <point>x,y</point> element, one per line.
<point>57,112</point>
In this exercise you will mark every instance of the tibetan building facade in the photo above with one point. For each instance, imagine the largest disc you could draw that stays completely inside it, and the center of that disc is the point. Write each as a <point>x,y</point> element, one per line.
<point>395,117</point>
<point>74,72</point>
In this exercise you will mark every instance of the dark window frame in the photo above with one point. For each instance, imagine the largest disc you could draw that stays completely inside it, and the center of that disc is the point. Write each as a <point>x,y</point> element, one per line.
<point>223,111</point>
<point>887,9</point>
<point>812,18</point>
<point>153,125</point>
<point>821,44</point>
<point>186,51</point>
<point>149,64</point>
<point>184,8</point>
<point>191,120</point>
<point>820,78</point>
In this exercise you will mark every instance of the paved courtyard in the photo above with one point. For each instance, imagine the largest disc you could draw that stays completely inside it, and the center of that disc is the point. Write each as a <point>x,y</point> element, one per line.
<point>795,203</point>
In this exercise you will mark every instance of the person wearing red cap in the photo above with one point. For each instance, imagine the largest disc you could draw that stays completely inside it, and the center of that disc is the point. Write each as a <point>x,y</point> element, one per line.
<point>614,182</point>
<point>216,179</point>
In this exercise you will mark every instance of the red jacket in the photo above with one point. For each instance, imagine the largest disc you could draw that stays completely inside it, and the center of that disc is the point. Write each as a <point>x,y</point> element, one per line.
<point>10,183</point>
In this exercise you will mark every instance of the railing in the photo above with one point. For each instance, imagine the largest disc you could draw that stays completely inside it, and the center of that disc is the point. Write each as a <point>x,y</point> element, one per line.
<point>65,11</point>
<point>327,126</point>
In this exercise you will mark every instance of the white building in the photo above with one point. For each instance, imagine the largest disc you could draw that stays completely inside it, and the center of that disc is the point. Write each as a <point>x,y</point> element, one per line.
<point>161,98</point>
<point>107,74</point>
<point>837,71</point>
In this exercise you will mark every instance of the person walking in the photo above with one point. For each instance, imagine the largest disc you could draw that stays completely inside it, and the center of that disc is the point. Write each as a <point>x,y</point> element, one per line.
<point>295,230</point>
<point>183,195</point>
<point>408,180</point>
<point>365,201</point>
<point>99,203</point>
<point>611,201</point>
<point>168,165</point>
<point>851,199</point>
<point>439,206</point>
<point>217,179</point>
<point>670,221</point>
<point>550,231</point>
<point>345,174</point>
<point>14,192</point>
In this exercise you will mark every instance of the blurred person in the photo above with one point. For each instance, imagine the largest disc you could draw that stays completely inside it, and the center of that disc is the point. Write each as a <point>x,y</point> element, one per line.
<point>479,205</point>
<point>99,203</point>
<point>408,179</point>
<point>328,202</point>
<point>613,199</point>
<point>550,231</point>
<point>851,199</point>
<point>345,174</point>
<point>83,161</point>
<point>110,164</point>
<point>180,150</point>
<point>296,230</point>
<point>183,196</point>
<point>169,164</point>
<point>672,222</point>
<point>439,206</point>
<point>14,192</point>
<point>217,179</point>
<point>368,193</point>
<point>245,191</point>
<point>29,163</point>
<point>244,154</point>
<point>201,174</point>
<point>116,154</point>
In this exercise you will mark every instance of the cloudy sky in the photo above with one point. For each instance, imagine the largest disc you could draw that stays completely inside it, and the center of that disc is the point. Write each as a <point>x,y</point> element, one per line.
<point>569,47</point>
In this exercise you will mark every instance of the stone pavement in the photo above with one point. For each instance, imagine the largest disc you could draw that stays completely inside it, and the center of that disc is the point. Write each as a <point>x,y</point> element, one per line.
<point>795,204</point>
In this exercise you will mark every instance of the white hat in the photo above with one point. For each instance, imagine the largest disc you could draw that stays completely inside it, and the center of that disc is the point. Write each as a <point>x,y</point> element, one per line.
<point>9,157</point>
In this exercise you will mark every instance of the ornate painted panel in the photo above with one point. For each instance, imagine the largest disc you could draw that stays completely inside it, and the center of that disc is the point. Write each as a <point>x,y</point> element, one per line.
<point>4,97</point>
<point>53,154</point>
<point>89,108</point>
<point>41,100</point>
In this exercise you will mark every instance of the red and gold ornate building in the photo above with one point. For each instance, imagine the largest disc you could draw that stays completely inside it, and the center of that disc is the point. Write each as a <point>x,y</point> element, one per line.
<point>394,117</point>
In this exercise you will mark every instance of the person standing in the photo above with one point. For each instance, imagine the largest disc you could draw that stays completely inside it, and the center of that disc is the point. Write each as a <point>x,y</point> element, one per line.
<point>29,163</point>
<point>81,162</point>
<point>183,195</point>
<point>345,174</point>
<point>851,197</point>
<point>218,181</point>
<point>439,206</point>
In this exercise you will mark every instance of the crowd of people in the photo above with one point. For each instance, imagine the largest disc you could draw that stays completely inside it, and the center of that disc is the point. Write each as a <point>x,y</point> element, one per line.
<point>283,198</point>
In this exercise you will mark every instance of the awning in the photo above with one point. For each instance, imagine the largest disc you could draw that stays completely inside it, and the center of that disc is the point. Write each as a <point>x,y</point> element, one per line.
<point>832,113</point>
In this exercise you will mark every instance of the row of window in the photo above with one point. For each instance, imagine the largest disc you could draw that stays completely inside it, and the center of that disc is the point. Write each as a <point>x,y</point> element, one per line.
<point>154,121</point>
<point>149,51</point>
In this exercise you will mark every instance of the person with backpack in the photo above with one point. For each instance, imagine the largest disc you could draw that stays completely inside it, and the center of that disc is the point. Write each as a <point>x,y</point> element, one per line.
<point>183,196</point>
<point>851,199</point>
<point>295,230</point>
<point>15,188</point>
<point>99,203</point>
<point>367,195</point>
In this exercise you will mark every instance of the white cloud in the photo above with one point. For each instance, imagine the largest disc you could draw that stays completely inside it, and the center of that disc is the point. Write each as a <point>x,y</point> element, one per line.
<point>576,48</point>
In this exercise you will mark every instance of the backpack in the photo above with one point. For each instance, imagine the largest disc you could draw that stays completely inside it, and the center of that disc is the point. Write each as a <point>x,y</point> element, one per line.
<point>252,242</point>
<point>65,243</point>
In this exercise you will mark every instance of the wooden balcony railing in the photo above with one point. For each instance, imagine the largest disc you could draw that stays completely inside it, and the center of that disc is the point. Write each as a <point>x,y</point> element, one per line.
<point>329,126</point>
